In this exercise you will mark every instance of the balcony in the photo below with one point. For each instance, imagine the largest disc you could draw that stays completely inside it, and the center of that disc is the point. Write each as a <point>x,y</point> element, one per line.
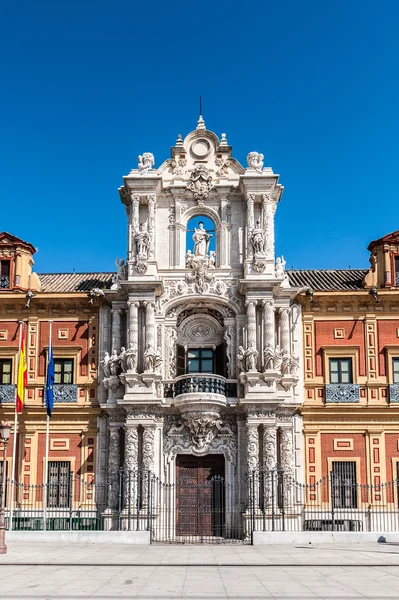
<point>65,392</point>
<point>7,393</point>
<point>342,392</point>
<point>199,383</point>
<point>394,393</point>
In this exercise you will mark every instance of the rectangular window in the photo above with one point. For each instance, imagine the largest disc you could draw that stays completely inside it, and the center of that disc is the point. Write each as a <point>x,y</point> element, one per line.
<point>395,370</point>
<point>5,274</point>
<point>59,484</point>
<point>344,484</point>
<point>200,360</point>
<point>341,370</point>
<point>5,371</point>
<point>63,370</point>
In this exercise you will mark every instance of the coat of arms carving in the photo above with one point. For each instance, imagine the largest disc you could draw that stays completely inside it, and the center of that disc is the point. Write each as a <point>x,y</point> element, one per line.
<point>200,183</point>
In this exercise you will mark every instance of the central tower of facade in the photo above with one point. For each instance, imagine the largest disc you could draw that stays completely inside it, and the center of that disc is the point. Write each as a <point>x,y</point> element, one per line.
<point>201,332</point>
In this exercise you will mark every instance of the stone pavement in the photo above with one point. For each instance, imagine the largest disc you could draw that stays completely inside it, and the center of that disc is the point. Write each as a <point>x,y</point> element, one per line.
<point>100,571</point>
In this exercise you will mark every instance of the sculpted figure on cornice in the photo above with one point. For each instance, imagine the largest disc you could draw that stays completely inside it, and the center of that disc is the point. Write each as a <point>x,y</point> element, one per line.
<point>255,161</point>
<point>145,162</point>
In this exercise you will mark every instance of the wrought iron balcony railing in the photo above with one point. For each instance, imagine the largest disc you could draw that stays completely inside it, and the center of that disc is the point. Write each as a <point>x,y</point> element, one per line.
<point>65,392</point>
<point>394,392</point>
<point>7,392</point>
<point>200,383</point>
<point>342,392</point>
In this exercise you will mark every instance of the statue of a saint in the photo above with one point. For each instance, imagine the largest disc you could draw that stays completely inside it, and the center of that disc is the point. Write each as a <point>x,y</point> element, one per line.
<point>149,356</point>
<point>258,241</point>
<point>131,358</point>
<point>114,363</point>
<point>123,360</point>
<point>201,240</point>
<point>142,242</point>
<point>241,359</point>
<point>105,365</point>
<point>278,358</point>
<point>286,363</point>
<point>268,357</point>
<point>251,356</point>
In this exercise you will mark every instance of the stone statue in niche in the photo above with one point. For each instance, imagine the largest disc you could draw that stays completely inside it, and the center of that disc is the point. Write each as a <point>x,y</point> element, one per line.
<point>268,357</point>
<point>258,240</point>
<point>142,240</point>
<point>241,360</point>
<point>149,356</point>
<point>251,356</point>
<point>123,360</point>
<point>255,161</point>
<point>146,162</point>
<point>131,358</point>
<point>278,358</point>
<point>201,240</point>
<point>114,363</point>
<point>280,266</point>
<point>105,365</point>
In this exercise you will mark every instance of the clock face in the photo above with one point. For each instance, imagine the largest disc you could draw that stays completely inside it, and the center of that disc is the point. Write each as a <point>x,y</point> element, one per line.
<point>200,148</point>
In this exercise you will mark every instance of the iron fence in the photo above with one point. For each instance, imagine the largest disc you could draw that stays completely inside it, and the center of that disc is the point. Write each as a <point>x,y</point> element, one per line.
<point>211,511</point>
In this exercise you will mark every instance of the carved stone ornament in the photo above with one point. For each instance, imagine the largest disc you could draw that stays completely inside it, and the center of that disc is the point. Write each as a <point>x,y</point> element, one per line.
<point>259,265</point>
<point>199,275</point>
<point>146,162</point>
<point>199,432</point>
<point>178,165</point>
<point>255,161</point>
<point>223,166</point>
<point>116,415</point>
<point>200,183</point>
<point>141,268</point>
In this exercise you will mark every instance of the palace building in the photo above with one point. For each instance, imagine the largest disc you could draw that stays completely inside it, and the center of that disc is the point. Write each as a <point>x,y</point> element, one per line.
<point>203,389</point>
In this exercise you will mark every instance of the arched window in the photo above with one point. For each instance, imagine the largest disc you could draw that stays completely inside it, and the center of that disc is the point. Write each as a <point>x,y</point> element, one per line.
<point>200,237</point>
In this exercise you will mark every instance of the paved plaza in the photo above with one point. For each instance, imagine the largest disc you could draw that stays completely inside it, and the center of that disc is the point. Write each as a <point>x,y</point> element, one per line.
<point>67,571</point>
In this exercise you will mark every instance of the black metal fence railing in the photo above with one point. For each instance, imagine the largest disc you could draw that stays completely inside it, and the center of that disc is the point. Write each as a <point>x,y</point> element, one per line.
<point>210,511</point>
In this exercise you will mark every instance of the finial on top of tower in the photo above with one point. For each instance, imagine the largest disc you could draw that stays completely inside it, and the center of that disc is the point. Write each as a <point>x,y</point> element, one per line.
<point>201,122</point>
<point>223,141</point>
<point>179,141</point>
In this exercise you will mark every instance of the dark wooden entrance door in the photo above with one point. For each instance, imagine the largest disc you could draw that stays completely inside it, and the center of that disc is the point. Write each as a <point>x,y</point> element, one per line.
<point>200,495</point>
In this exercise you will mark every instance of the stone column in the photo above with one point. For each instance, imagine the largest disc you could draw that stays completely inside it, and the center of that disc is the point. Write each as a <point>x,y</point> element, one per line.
<point>116,329</point>
<point>151,225</point>
<point>253,462</point>
<point>148,459</point>
<point>268,224</point>
<point>135,220</point>
<point>133,326</point>
<point>149,324</point>
<point>269,463</point>
<point>287,451</point>
<point>250,222</point>
<point>251,322</point>
<point>131,465</point>
<point>285,330</point>
<point>268,324</point>
<point>114,461</point>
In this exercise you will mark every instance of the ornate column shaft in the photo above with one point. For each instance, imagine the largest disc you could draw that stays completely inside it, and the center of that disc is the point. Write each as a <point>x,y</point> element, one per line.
<point>151,225</point>
<point>149,324</point>
<point>133,326</point>
<point>250,222</point>
<point>287,451</point>
<point>116,329</point>
<point>251,322</point>
<point>269,463</point>
<point>285,330</point>
<point>114,461</point>
<point>148,459</point>
<point>131,465</point>
<point>268,224</point>
<point>135,221</point>
<point>253,461</point>
<point>268,323</point>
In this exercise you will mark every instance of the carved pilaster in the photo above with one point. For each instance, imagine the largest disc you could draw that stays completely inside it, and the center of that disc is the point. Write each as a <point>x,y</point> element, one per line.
<point>269,447</point>
<point>130,468</point>
<point>250,223</point>
<point>252,448</point>
<point>149,447</point>
<point>251,322</point>
<point>114,461</point>
<point>268,224</point>
<point>285,330</point>
<point>287,451</point>
<point>151,225</point>
<point>116,328</point>
<point>150,325</point>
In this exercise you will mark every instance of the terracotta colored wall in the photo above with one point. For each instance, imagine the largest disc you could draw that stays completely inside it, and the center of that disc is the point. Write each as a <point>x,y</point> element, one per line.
<point>387,336</point>
<point>324,336</point>
<point>78,332</point>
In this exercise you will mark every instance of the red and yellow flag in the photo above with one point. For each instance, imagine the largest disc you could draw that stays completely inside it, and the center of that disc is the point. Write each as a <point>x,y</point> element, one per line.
<point>22,374</point>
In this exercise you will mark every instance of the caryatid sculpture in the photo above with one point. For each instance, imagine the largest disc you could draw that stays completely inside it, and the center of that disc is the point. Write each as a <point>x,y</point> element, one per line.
<point>201,239</point>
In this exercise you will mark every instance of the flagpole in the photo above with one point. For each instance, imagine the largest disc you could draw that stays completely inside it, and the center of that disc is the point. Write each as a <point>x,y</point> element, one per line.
<point>14,447</point>
<point>47,439</point>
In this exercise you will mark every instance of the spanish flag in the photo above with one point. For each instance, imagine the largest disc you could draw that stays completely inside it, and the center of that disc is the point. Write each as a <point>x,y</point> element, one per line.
<point>22,374</point>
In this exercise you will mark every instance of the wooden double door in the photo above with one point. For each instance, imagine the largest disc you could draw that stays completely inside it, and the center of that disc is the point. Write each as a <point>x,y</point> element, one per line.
<point>200,495</point>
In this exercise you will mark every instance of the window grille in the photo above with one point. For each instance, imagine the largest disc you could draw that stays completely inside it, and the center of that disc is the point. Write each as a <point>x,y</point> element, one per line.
<point>59,482</point>
<point>344,486</point>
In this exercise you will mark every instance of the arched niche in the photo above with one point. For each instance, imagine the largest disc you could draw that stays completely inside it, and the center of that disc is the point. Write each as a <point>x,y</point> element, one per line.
<point>191,218</point>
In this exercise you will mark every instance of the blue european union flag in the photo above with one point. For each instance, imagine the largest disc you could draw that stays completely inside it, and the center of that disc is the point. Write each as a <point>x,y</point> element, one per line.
<point>50,381</point>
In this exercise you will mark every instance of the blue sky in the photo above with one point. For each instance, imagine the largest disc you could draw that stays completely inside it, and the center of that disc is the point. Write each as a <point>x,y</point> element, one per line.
<point>87,86</point>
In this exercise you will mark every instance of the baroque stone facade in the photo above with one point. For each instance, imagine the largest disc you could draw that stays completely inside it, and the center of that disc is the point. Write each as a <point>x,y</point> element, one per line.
<point>200,334</point>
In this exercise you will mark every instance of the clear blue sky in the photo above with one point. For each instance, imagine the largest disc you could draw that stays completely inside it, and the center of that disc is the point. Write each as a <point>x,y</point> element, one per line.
<point>87,86</point>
